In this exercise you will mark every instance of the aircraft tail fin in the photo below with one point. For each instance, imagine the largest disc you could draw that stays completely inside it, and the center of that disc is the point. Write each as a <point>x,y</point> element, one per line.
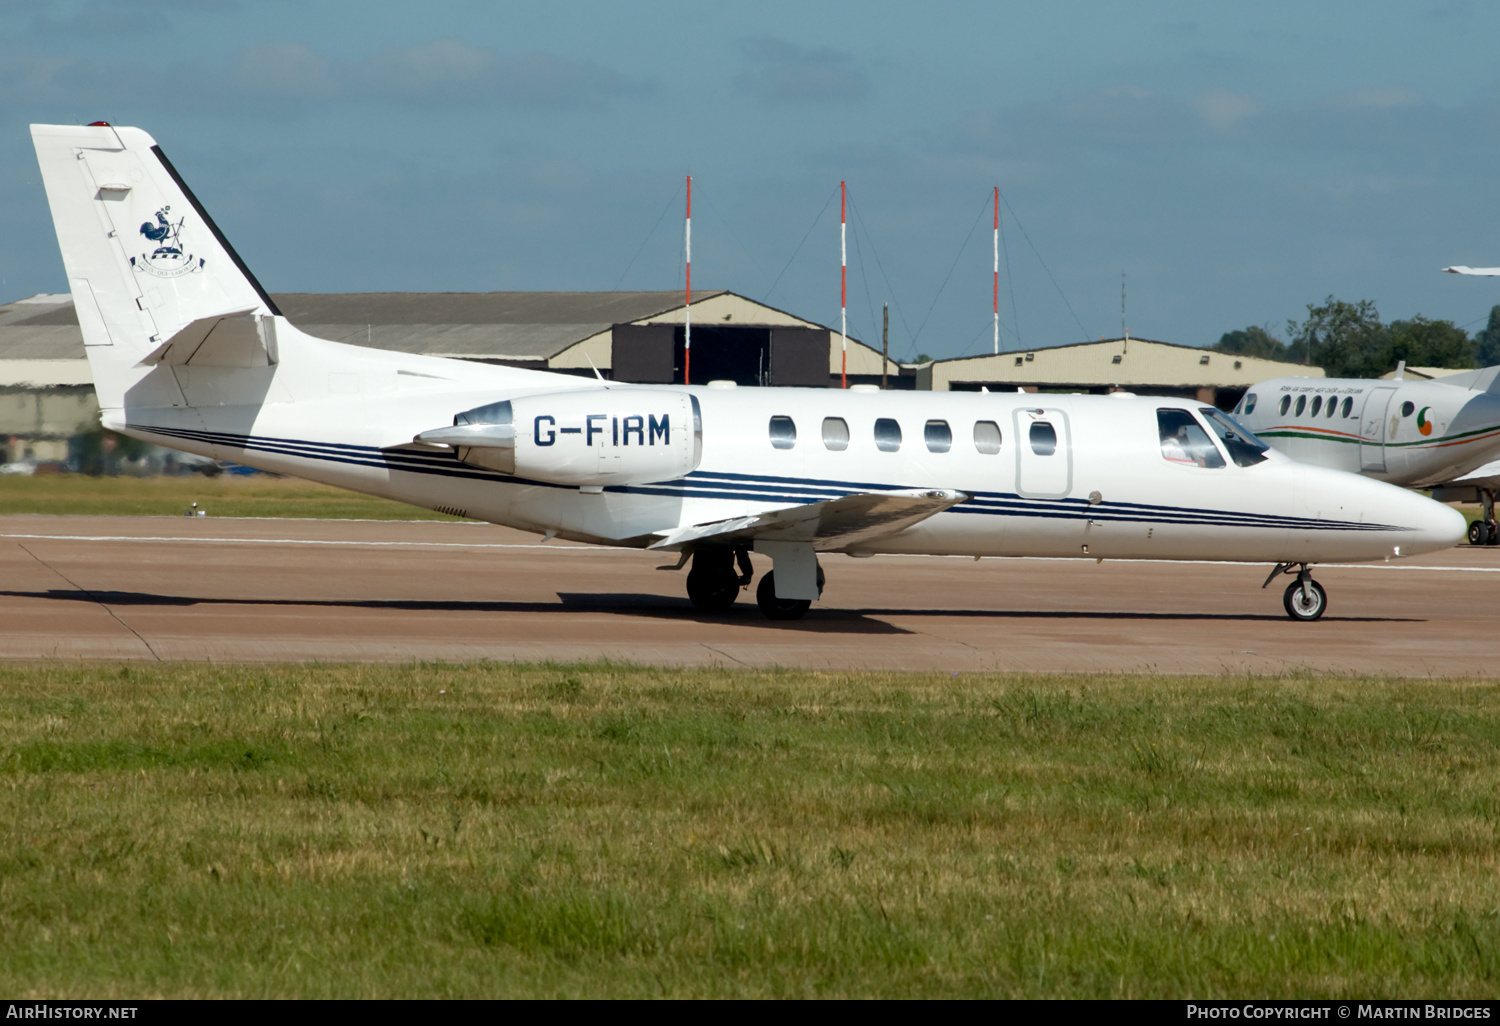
<point>153,279</point>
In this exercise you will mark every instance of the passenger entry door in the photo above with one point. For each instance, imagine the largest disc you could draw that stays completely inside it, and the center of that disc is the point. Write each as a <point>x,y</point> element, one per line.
<point>1044,453</point>
<point>1372,430</point>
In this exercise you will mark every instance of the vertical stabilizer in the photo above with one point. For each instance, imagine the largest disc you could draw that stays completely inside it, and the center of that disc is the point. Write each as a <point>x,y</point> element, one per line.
<point>152,277</point>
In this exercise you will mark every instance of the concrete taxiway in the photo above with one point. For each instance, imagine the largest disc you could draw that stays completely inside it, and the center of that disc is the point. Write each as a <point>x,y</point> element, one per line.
<point>112,588</point>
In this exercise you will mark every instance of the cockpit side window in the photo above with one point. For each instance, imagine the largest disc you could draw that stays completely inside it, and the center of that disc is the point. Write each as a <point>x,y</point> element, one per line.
<point>1184,441</point>
<point>1249,404</point>
<point>1244,448</point>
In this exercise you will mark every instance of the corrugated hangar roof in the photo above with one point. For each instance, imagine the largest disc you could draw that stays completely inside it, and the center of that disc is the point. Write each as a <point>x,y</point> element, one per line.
<point>1123,362</point>
<point>493,325</point>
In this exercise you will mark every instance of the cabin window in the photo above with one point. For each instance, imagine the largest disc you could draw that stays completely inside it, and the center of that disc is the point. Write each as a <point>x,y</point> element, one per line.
<point>1249,404</point>
<point>1286,404</point>
<point>1183,440</point>
<point>835,434</point>
<point>1244,448</point>
<point>1407,409</point>
<point>1317,406</point>
<point>783,432</point>
<point>1301,404</point>
<point>987,437</point>
<point>1333,406</point>
<point>1043,438</point>
<point>887,435</point>
<point>1348,405</point>
<point>938,435</point>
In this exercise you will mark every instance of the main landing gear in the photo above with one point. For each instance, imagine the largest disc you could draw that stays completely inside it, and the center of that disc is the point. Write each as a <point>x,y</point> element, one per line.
<point>782,609</point>
<point>718,574</point>
<point>1485,531</point>
<point>1304,599</point>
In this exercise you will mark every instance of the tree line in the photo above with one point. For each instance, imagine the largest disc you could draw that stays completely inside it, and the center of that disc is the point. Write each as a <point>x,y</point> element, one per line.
<point>1349,340</point>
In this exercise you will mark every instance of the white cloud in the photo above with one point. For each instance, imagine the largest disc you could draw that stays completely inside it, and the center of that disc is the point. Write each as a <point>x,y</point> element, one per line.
<point>783,72</point>
<point>1222,110</point>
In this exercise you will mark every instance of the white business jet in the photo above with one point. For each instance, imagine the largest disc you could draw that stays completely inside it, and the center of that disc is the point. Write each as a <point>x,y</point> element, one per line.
<point>187,350</point>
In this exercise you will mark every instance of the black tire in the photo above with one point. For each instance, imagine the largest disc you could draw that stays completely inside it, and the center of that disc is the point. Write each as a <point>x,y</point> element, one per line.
<point>1299,608</point>
<point>1478,533</point>
<point>781,609</point>
<point>1492,534</point>
<point>712,584</point>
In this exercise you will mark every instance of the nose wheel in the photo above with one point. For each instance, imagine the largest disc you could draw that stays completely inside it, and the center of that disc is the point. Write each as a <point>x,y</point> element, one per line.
<point>1304,599</point>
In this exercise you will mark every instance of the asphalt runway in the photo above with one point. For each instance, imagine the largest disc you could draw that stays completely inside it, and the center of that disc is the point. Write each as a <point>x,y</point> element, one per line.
<point>173,588</point>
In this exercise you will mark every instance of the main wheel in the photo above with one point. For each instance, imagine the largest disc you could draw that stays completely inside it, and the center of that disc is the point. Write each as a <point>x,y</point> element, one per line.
<point>1305,607</point>
<point>1478,533</point>
<point>1492,534</point>
<point>781,609</point>
<point>712,584</point>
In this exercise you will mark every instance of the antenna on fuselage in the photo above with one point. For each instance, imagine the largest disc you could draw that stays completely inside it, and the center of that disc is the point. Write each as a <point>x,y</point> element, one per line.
<point>1124,331</point>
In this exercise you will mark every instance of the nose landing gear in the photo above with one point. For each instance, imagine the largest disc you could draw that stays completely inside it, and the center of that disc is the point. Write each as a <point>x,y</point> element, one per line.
<point>1304,599</point>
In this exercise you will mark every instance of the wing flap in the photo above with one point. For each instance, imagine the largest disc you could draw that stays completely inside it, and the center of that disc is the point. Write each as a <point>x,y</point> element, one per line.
<point>831,524</point>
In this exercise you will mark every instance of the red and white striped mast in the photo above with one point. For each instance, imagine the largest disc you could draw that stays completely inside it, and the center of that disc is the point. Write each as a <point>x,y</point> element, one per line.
<point>997,269</point>
<point>687,305</point>
<point>843,295</point>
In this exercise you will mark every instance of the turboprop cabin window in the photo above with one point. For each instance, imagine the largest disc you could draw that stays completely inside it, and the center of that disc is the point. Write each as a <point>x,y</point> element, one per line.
<point>987,437</point>
<point>1317,406</point>
<point>1184,441</point>
<point>1333,406</point>
<point>1301,404</point>
<point>1348,406</point>
<point>1244,448</point>
<point>783,432</point>
<point>887,435</point>
<point>835,434</point>
<point>939,436</point>
<point>1286,404</point>
<point>1043,438</point>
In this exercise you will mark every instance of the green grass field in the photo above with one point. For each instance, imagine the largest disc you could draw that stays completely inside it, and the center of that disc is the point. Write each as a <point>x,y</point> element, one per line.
<point>225,496</point>
<point>485,830</point>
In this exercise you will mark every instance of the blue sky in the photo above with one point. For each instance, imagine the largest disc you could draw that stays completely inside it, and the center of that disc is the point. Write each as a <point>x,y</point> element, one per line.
<point>1237,162</point>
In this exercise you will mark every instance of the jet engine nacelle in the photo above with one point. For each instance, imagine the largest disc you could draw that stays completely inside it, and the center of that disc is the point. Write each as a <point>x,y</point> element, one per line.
<point>593,437</point>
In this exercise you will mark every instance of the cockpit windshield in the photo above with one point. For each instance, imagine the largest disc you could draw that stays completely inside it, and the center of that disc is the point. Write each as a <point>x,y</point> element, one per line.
<point>1244,448</point>
<point>1184,441</point>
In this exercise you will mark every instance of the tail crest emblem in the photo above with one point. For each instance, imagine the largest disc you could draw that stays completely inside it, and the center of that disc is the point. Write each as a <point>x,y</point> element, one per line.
<point>169,259</point>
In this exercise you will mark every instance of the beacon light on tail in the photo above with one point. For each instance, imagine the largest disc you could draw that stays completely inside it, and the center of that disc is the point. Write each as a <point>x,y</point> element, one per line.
<point>188,351</point>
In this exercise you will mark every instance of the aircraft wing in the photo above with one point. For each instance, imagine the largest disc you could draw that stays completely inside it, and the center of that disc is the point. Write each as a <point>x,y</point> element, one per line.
<point>831,524</point>
<point>1481,272</point>
<point>1487,476</point>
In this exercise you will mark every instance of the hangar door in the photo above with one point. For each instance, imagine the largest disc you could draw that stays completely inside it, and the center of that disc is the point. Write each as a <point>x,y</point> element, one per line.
<point>642,353</point>
<point>799,356</point>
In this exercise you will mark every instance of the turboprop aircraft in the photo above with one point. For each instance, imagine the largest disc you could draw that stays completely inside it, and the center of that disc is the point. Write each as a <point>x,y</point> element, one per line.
<point>188,351</point>
<point>1417,434</point>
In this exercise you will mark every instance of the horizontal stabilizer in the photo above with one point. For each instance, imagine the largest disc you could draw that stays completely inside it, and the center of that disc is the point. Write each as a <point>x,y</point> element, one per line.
<point>1478,272</point>
<point>831,524</point>
<point>238,338</point>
